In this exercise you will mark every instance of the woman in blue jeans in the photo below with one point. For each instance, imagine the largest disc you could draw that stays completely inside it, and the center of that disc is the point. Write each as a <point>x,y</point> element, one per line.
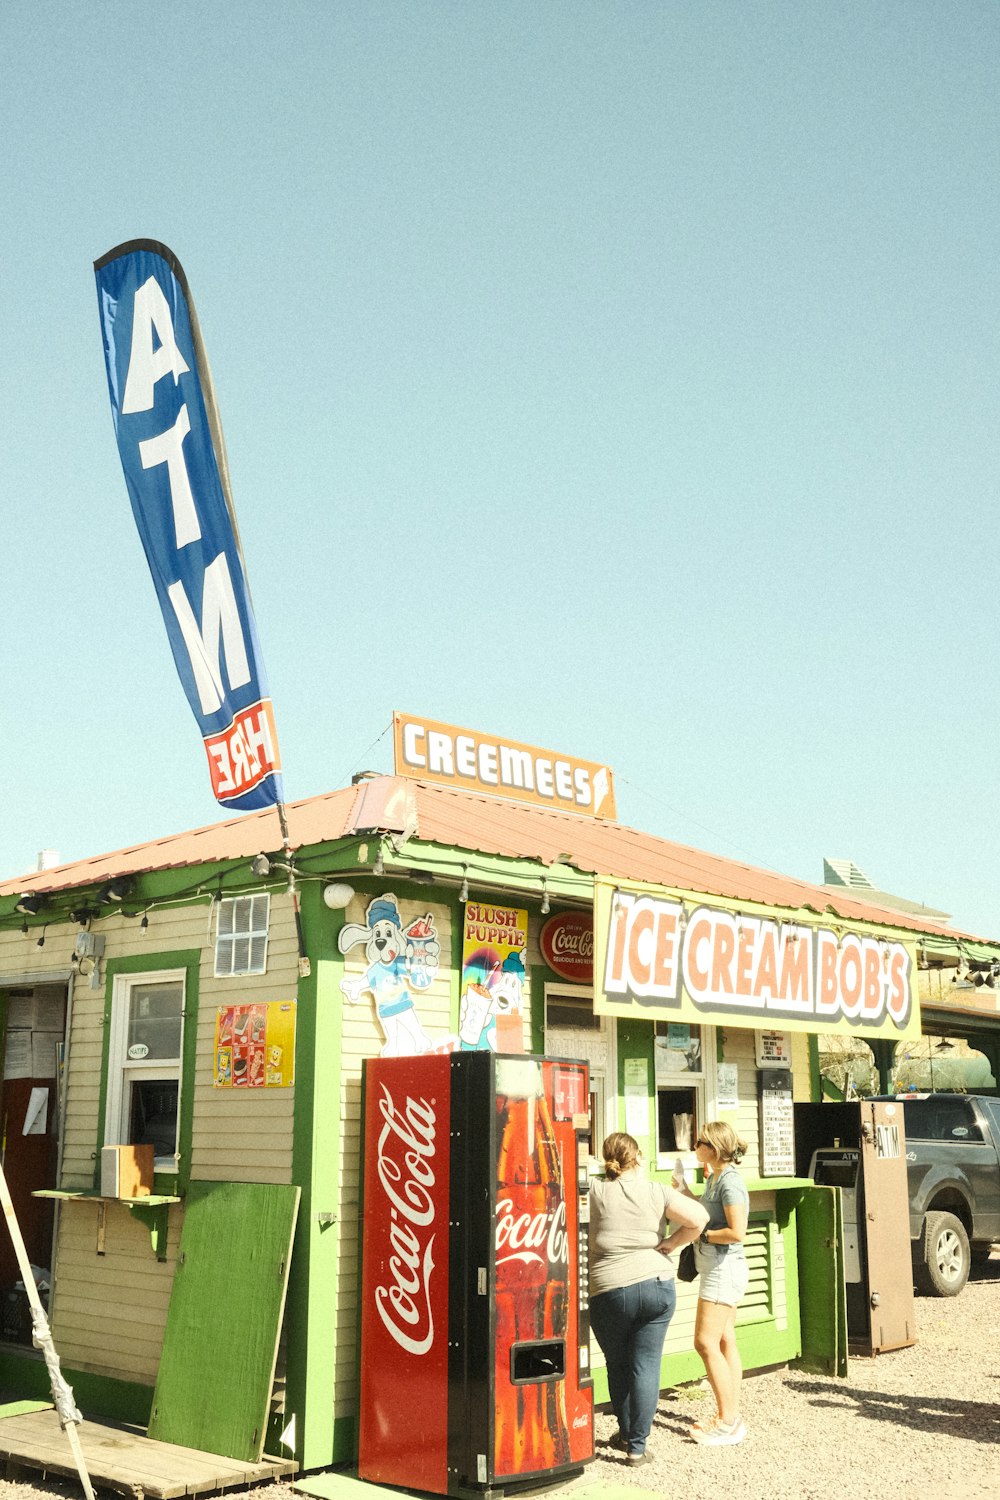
<point>632,1292</point>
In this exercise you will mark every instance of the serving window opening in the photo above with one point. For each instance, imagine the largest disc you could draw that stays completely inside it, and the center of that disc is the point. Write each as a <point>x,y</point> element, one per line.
<point>679,1066</point>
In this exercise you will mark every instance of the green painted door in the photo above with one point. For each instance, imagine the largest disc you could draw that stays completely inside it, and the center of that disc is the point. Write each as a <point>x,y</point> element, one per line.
<point>822,1292</point>
<point>213,1387</point>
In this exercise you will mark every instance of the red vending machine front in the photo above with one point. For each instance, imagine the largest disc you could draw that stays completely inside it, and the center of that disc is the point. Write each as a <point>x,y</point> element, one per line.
<point>475,1333</point>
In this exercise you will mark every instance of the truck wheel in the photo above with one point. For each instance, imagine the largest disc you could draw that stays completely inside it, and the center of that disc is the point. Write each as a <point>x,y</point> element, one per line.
<point>943,1268</point>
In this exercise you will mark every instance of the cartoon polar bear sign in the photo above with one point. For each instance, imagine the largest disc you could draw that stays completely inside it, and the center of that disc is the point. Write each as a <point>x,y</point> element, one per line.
<point>398,959</point>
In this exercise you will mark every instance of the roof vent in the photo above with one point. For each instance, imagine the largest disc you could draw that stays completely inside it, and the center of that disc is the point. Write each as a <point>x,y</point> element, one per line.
<point>845,872</point>
<point>48,859</point>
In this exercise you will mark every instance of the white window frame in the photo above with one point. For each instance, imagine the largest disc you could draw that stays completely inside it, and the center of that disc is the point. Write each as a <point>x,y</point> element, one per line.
<point>602,1078</point>
<point>123,1071</point>
<point>252,932</point>
<point>696,1082</point>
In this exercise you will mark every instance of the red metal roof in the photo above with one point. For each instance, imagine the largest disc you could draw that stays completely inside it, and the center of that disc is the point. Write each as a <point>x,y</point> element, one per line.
<point>443,815</point>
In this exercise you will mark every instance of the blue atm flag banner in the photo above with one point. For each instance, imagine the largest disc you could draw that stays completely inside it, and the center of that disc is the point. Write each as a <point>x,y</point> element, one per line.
<point>174,459</point>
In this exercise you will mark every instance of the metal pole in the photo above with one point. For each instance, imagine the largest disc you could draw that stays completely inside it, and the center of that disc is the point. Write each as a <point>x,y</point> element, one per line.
<point>41,1337</point>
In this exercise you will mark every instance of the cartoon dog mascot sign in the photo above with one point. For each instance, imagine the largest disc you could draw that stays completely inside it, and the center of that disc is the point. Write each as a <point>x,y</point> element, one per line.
<point>400,960</point>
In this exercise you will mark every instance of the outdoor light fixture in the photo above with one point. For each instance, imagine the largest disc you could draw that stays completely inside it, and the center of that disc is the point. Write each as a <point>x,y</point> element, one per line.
<point>944,1045</point>
<point>337,895</point>
<point>463,894</point>
<point>263,865</point>
<point>378,868</point>
<point>115,891</point>
<point>82,915</point>
<point>29,905</point>
<point>144,924</point>
<point>545,898</point>
<point>41,940</point>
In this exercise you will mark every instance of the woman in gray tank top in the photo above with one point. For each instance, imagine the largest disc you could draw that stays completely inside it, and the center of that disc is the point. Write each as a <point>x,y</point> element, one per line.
<point>632,1292</point>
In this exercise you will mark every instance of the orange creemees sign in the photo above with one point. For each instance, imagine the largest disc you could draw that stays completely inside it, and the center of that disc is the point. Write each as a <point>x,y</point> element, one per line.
<point>429,751</point>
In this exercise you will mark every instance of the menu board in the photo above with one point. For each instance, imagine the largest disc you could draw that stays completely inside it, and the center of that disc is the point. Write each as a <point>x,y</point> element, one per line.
<point>777,1123</point>
<point>255,1045</point>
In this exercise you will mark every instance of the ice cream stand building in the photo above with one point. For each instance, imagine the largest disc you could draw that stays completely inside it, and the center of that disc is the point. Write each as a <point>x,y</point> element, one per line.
<point>197,996</point>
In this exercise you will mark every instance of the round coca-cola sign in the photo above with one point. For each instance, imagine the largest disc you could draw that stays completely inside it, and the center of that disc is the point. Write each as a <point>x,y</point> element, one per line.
<point>567,943</point>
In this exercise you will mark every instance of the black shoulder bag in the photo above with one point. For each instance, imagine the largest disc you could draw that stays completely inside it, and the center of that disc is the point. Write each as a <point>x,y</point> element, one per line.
<point>686,1268</point>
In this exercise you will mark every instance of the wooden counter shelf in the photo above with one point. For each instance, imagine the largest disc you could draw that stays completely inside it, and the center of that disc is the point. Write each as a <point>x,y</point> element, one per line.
<point>152,1210</point>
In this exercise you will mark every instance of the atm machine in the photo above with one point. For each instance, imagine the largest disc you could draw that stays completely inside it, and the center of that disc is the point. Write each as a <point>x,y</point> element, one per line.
<point>860,1147</point>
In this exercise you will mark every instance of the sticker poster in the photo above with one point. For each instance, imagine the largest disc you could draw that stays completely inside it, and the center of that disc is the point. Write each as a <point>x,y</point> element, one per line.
<point>494,944</point>
<point>255,1045</point>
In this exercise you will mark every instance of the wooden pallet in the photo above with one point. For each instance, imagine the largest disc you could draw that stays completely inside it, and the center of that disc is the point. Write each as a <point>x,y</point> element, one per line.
<point>123,1458</point>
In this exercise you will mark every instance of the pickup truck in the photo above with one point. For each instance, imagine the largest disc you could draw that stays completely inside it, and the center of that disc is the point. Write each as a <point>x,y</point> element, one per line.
<point>953,1176</point>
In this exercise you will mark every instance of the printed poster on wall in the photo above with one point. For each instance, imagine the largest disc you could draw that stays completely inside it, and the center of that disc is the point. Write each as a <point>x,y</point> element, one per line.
<point>255,1045</point>
<point>636,1077</point>
<point>776,1125</point>
<point>494,944</point>
<point>727,1086</point>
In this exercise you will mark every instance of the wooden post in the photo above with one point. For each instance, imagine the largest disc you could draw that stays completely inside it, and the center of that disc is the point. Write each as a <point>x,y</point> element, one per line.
<point>62,1394</point>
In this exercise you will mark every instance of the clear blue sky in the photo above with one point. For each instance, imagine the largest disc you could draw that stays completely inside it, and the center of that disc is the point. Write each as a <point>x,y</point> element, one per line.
<point>621,378</point>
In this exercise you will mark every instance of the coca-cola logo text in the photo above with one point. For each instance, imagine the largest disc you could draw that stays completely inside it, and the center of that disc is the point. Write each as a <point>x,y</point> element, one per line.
<point>406,1172</point>
<point>523,1235</point>
<point>567,943</point>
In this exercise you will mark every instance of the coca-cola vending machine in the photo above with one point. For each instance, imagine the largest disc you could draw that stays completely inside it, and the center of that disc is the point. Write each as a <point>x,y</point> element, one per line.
<point>475,1330</point>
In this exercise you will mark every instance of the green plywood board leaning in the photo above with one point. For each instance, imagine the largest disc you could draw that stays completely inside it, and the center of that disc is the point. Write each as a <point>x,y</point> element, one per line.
<point>214,1382</point>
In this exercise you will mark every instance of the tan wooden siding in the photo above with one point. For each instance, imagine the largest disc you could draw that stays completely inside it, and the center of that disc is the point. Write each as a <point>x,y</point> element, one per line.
<point>739,1049</point>
<point>109,1311</point>
<point>801,1071</point>
<point>244,1135</point>
<point>21,958</point>
<point>237,1136</point>
<point>84,1056</point>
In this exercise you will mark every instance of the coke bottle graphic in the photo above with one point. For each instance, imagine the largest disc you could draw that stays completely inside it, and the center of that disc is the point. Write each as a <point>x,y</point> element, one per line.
<point>532,1274</point>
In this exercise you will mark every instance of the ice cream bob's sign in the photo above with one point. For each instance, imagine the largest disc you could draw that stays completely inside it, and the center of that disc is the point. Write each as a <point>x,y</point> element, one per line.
<point>429,751</point>
<point>660,958</point>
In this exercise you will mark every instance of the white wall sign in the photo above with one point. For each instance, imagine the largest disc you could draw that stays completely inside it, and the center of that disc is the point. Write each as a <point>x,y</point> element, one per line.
<point>774,1049</point>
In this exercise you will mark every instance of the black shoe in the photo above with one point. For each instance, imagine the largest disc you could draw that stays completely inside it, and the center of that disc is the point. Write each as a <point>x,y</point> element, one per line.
<point>638,1458</point>
<point>618,1442</point>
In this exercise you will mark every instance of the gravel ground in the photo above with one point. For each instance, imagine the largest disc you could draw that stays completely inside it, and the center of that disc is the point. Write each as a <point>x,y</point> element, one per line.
<point>925,1419</point>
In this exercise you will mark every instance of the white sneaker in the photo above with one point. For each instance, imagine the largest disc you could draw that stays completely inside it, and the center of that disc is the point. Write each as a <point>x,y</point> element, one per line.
<point>722,1435</point>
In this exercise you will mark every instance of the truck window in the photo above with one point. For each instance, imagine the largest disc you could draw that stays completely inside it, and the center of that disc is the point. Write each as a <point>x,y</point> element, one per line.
<point>943,1117</point>
<point>991,1109</point>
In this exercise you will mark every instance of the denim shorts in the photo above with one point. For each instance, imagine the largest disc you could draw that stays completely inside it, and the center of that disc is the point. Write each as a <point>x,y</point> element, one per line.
<point>723,1276</point>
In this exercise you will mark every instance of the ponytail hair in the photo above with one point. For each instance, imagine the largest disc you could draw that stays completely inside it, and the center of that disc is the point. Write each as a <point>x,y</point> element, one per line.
<point>620,1152</point>
<point>724,1141</point>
